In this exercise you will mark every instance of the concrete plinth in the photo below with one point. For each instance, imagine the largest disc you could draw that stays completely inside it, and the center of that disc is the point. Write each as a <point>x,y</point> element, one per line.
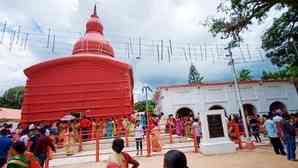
<point>219,147</point>
<point>215,134</point>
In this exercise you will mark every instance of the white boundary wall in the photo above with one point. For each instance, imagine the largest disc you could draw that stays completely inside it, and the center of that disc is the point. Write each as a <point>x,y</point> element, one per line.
<point>200,98</point>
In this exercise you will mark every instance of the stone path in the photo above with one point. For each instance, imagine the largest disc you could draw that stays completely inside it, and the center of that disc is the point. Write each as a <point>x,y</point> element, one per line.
<point>262,157</point>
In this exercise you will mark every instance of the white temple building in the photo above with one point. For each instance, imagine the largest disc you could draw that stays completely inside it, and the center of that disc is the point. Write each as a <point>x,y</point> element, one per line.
<point>257,96</point>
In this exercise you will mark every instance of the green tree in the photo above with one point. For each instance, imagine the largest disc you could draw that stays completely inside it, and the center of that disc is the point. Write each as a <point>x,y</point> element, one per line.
<point>293,71</point>
<point>140,106</point>
<point>288,72</point>
<point>245,74</point>
<point>2,101</point>
<point>267,75</point>
<point>194,76</point>
<point>13,97</point>
<point>280,40</point>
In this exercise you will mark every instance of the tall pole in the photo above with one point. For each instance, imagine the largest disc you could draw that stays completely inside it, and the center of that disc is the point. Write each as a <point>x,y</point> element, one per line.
<point>232,63</point>
<point>146,94</point>
<point>146,89</point>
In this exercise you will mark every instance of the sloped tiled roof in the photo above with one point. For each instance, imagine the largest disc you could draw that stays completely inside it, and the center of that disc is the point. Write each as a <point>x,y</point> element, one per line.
<point>10,114</point>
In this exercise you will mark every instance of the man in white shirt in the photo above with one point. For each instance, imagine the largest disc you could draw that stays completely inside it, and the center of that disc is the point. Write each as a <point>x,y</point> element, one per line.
<point>25,138</point>
<point>277,119</point>
<point>272,132</point>
<point>139,134</point>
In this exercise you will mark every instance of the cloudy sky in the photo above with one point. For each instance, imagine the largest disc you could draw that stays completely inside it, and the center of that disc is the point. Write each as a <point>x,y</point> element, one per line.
<point>131,26</point>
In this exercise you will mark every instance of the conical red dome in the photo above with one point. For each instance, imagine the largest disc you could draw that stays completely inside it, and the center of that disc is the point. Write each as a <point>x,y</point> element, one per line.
<point>91,81</point>
<point>93,41</point>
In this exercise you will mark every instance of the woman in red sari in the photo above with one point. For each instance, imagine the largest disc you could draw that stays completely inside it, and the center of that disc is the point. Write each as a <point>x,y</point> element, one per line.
<point>234,131</point>
<point>152,122</point>
<point>179,127</point>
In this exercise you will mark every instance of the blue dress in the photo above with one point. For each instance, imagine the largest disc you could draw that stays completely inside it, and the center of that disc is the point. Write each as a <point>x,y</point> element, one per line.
<point>143,120</point>
<point>109,129</point>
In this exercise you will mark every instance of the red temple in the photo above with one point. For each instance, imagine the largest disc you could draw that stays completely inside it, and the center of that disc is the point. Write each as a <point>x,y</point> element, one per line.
<point>90,81</point>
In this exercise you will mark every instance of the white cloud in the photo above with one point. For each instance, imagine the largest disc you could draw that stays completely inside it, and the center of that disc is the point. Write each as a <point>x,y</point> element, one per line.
<point>155,19</point>
<point>51,13</point>
<point>178,20</point>
<point>12,64</point>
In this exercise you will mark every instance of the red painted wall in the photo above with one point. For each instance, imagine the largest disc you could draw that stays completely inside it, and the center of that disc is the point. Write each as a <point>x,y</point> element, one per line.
<point>100,85</point>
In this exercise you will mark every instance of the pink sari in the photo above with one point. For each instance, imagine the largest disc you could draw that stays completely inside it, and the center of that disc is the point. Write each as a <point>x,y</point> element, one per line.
<point>179,125</point>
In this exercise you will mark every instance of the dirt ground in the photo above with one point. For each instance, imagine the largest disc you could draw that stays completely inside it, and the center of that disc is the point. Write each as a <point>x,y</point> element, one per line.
<point>262,157</point>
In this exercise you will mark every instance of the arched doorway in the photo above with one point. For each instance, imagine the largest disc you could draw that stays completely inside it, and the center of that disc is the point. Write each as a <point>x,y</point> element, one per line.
<point>183,112</point>
<point>216,107</point>
<point>219,107</point>
<point>278,106</point>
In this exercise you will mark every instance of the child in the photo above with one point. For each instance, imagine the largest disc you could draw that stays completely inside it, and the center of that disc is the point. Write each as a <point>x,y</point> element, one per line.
<point>175,159</point>
<point>139,133</point>
<point>22,158</point>
<point>19,160</point>
<point>120,159</point>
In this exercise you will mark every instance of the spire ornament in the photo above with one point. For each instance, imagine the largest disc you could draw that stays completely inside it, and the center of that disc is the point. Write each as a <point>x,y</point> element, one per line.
<point>94,12</point>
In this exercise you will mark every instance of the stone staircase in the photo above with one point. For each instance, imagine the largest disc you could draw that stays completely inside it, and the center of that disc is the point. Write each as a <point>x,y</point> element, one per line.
<point>89,149</point>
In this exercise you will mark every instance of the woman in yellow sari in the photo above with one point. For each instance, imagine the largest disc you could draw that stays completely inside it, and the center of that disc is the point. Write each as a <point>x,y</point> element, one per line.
<point>76,130</point>
<point>69,141</point>
<point>155,139</point>
<point>114,128</point>
<point>129,126</point>
<point>187,125</point>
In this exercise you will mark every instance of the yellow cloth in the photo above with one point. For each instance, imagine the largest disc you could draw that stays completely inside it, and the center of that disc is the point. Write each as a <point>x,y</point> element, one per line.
<point>114,129</point>
<point>188,130</point>
<point>130,127</point>
<point>155,140</point>
<point>70,143</point>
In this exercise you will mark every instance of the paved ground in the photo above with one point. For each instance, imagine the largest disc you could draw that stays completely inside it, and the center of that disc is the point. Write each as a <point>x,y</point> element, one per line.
<point>262,157</point>
<point>88,153</point>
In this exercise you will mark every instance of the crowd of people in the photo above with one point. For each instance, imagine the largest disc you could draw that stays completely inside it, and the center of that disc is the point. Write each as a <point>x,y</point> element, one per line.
<point>181,126</point>
<point>25,147</point>
<point>34,143</point>
<point>37,141</point>
<point>280,127</point>
<point>281,130</point>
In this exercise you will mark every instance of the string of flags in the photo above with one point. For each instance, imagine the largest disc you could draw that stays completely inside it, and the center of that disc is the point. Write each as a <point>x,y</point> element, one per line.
<point>157,51</point>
